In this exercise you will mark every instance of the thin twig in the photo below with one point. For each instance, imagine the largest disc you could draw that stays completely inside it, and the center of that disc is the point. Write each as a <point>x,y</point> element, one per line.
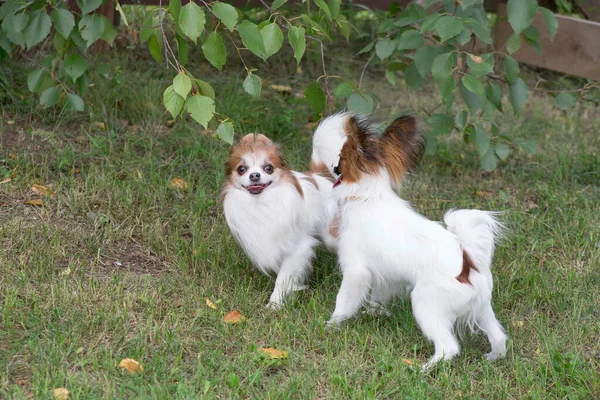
<point>166,41</point>
<point>362,74</point>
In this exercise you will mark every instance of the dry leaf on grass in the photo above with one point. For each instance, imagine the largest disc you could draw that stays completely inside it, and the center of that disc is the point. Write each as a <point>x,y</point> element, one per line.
<point>5,181</point>
<point>178,183</point>
<point>407,361</point>
<point>131,365</point>
<point>61,393</point>
<point>274,353</point>
<point>234,317</point>
<point>41,190</point>
<point>35,202</point>
<point>211,304</point>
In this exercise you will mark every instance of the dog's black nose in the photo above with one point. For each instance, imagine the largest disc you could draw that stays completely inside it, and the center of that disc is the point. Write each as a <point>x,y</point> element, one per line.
<point>254,177</point>
<point>337,170</point>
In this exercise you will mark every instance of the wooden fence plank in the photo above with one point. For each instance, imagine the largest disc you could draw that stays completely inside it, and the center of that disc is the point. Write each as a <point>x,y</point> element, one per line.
<point>575,49</point>
<point>590,8</point>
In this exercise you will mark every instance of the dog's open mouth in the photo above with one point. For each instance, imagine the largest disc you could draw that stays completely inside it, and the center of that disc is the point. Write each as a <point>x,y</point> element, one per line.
<point>337,181</point>
<point>257,188</point>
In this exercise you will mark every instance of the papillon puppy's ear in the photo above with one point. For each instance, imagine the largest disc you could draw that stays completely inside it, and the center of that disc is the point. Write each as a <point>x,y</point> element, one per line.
<point>402,146</point>
<point>361,151</point>
<point>255,139</point>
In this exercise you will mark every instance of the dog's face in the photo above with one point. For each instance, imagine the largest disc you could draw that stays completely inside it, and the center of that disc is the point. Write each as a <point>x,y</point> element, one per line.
<point>399,150</point>
<point>255,164</point>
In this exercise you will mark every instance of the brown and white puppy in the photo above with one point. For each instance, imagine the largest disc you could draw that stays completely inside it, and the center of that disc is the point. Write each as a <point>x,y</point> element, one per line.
<point>276,215</point>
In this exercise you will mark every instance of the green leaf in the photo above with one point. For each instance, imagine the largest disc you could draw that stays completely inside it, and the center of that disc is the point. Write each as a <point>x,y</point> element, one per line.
<point>489,160</point>
<point>227,14</point>
<point>409,40</point>
<point>461,120</point>
<point>467,3</point>
<point>272,38</point>
<point>482,140</point>
<point>91,28</point>
<point>252,85</point>
<point>64,22</point>
<point>424,58</point>
<point>550,20</point>
<point>521,13</point>
<point>316,97</point>
<point>344,26</point>
<point>343,90</point>
<point>446,88</point>
<point>429,22</point>
<point>384,48</point>
<point>183,49</point>
<point>37,28</point>
<point>448,26</point>
<point>155,48</point>
<point>473,101</point>
<point>182,84</point>
<point>252,38</point>
<point>360,104</point>
<point>473,84</point>
<point>367,48</point>
<point>334,6</point>
<point>192,20</point>
<point>564,101</point>
<point>124,17</point>
<point>391,76</point>
<point>443,65</point>
<point>205,89</point>
<point>464,36</point>
<point>13,25</point>
<point>75,66</point>
<point>441,124</point>
<point>481,30</point>
<point>278,3</point>
<point>175,9</point>
<point>172,101</point>
<point>225,132</point>
<point>214,50</point>
<point>201,108</point>
<point>480,66</point>
<point>513,43</point>
<point>87,6</point>
<point>36,79</point>
<point>76,38</point>
<point>110,33</point>
<point>528,146</point>
<point>518,94</point>
<point>502,151</point>
<point>531,34</point>
<point>149,20</point>
<point>493,93</point>
<point>412,77</point>
<point>297,40</point>
<point>50,97</point>
<point>323,6</point>
<point>511,69</point>
<point>74,102</point>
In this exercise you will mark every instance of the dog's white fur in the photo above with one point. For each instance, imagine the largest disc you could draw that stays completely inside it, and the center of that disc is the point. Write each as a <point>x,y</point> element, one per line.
<point>385,248</point>
<point>279,228</point>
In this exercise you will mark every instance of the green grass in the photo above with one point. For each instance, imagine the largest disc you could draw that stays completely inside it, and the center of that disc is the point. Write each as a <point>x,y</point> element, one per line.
<point>118,264</point>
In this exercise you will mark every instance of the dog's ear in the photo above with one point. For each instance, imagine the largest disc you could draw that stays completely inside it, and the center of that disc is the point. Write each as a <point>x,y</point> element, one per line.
<point>255,138</point>
<point>402,146</point>
<point>361,151</point>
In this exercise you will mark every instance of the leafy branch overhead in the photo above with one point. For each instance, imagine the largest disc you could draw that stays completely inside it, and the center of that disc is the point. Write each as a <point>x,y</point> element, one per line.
<point>435,42</point>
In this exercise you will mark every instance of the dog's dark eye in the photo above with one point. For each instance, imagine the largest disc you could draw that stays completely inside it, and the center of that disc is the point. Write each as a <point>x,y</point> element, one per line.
<point>241,170</point>
<point>268,169</point>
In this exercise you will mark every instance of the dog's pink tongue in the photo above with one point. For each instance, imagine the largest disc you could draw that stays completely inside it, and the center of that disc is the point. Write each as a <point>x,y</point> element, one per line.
<point>337,181</point>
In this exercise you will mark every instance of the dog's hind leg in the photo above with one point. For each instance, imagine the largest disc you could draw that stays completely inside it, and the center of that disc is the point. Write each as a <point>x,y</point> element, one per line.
<point>293,272</point>
<point>489,324</point>
<point>436,323</point>
<point>353,291</point>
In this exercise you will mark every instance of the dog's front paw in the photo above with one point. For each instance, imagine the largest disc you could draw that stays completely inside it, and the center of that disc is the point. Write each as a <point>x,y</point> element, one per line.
<point>491,356</point>
<point>335,322</point>
<point>275,305</point>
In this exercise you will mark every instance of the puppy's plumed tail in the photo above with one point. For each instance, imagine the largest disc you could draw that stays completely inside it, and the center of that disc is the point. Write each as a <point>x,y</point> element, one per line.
<point>477,232</point>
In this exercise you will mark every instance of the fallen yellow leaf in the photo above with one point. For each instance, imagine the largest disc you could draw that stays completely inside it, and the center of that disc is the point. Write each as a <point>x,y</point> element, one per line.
<point>407,361</point>
<point>281,88</point>
<point>41,190</point>
<point>274,353</point>
<point>61,393</point>
<point>10,122</point>
<point>35,202</point>
<point>234,317</point>
<point>131,365</point>
<point>211,304</point>
<point>178,183</point>
<point>476,59</point>
<point>5,181</point>
<point>170,123</point>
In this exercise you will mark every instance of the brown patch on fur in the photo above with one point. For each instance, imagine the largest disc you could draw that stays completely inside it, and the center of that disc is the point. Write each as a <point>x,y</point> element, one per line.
<point>321,170</point>
<point>255,142</point>
<point>402,147</point>
<point>361,151</point>
<point>287,175</point>
<point>310,179</point>
<point>467,266</point>
<point>334,227</point>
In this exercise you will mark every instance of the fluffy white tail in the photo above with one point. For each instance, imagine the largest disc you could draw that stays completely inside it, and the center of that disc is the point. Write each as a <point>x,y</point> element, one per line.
<point>477,231</point>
